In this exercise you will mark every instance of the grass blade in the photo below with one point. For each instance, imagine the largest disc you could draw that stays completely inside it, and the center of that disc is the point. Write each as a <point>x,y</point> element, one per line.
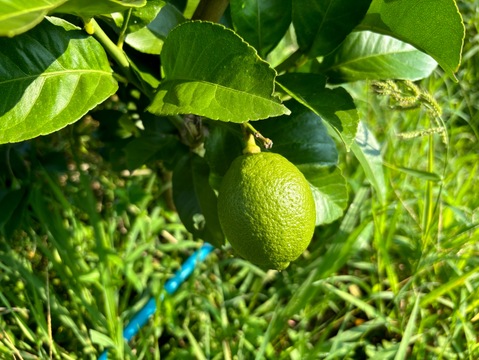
<point>409,331</point>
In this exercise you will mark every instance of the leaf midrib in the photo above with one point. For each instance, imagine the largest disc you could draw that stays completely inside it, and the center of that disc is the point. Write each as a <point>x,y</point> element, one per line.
<point>362,58</point>
<point>56,73</point>
<point>182,81</point>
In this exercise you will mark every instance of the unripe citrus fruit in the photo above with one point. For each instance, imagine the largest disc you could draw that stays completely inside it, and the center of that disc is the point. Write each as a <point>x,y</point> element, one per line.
<point>266,209</point>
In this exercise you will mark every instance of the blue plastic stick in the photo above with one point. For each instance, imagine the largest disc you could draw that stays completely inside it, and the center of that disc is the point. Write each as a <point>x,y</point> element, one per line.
<point>142,317</point>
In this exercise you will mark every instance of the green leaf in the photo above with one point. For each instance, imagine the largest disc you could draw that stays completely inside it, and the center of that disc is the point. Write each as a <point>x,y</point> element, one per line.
<point>150,26</point>
<point>101,339</point>
<point>366,55</point>
<point>362,305</point>
<point>262,23</point>
<point>51,76</point>
<point>347,239</point>
<point>143,16</point>
<point>285,52</point>
<point>210,71</point>
<point>90,8</point>
<point>195,200</point>
<point>321,25</point>
<point>303,139</point>
<point>367,150</point>
<point>406,341</point>
<point>335,106</point>
<point>329,190</point>
<point>17,17</point>
<point>434,27</point>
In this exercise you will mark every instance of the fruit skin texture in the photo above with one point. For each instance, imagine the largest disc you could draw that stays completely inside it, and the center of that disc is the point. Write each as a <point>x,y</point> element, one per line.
<point>266,209</point>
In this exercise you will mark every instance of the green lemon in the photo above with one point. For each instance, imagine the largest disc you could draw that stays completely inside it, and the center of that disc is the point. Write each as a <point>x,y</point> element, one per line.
<point>266,209</point>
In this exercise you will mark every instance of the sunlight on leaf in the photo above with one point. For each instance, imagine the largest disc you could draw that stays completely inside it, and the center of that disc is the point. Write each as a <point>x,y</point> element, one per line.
<point>368,56</point>
<point>435,27</point>
<point>17,17</point>
<point>367,150</point>
<point>90,8</point>
<point>210,71</point>
<point>50,87</point>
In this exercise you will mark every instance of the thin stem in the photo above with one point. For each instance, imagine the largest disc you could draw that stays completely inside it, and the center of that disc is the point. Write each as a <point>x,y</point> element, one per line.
<point>177,122</point>
<point>115,52</point>
<point>429,201</point>
<point>124,27</point>
<point>267,143</point>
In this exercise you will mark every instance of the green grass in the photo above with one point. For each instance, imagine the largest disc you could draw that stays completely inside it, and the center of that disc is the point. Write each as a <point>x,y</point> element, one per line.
<point>391,280</point>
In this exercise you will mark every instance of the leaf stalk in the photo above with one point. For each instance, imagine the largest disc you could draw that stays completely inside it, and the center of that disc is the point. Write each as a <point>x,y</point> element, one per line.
<point>124,27</point>
<point>113,50</point>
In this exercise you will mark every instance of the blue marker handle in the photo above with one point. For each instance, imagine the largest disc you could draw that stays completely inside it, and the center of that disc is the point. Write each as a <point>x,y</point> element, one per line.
<point>142,316</point>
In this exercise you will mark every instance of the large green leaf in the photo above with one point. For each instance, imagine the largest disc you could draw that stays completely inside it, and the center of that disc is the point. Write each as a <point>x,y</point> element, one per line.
<point>262,23</point>
<point>50,77</point>
<point>90,8</point>
<point>149,36</point>
<point>321,25</point>
<point>17,17</point>
<point>195,200</point>
<point>210,71</point>
<point>303,139</point>
<point>335,106</point>
<point>366,55</point>
<point>367,150</point>
<point>434,27</point>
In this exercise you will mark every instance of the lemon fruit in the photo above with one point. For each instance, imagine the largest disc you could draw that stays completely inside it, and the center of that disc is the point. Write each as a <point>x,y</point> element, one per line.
<point>266,209</point>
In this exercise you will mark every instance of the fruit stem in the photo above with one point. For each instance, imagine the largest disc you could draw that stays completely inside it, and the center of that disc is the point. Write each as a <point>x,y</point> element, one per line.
<point>248,128</point>
<point>250,147</point>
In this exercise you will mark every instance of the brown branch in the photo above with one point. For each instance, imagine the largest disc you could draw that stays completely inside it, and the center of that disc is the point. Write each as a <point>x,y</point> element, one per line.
<point>210,10</point>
